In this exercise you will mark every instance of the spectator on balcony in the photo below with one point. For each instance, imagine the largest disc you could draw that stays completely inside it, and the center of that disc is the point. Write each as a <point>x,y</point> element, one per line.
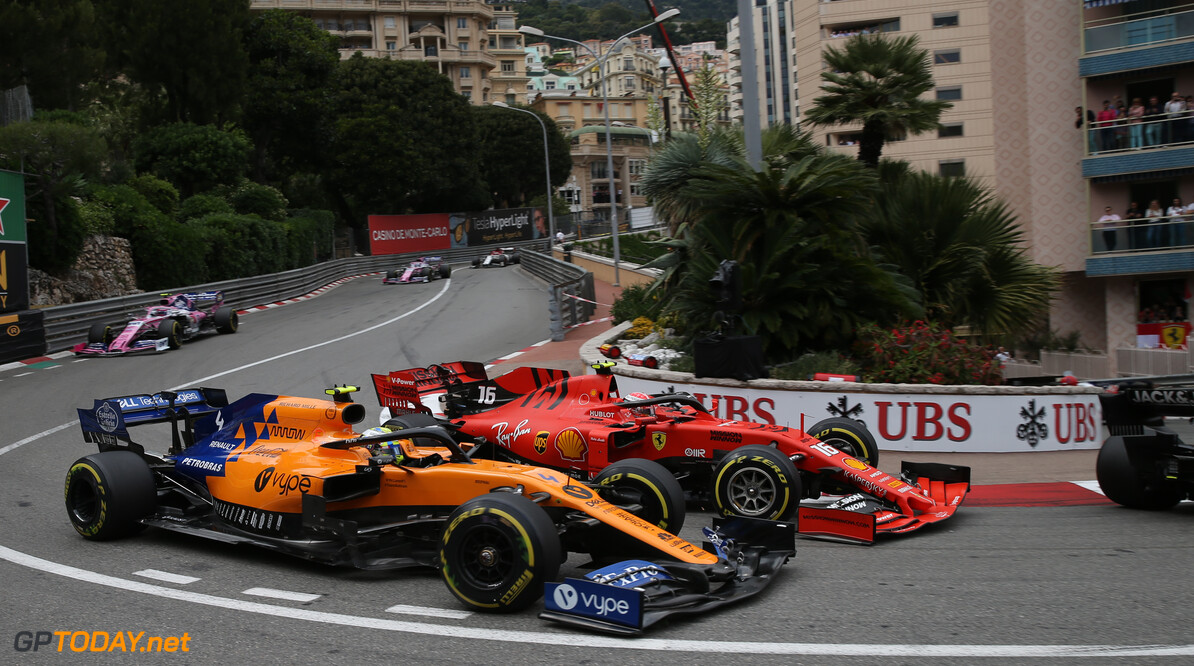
<point>1121,124</point>
<point>1177,222</point>
<point>1135,128</point>
<point>1084,121</point>
<point>1154,120</point>
<point>1106,124</point>
<point>1157,234</point>
<point>1133,218</point>
<point>1109,223</point>
<point>1175,110</point>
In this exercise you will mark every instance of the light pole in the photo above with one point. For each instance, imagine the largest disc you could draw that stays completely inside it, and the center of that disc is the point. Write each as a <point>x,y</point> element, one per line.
<point>609,148</point>
<point>551,220</point>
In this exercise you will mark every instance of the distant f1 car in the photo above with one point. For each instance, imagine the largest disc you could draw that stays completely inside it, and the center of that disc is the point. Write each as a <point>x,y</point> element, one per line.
<point>1143,464</point>
<point>291,474</point>
<point>502,256</point>
<point>175,319</point>
<point>424,269</point>
<point>581,425</point>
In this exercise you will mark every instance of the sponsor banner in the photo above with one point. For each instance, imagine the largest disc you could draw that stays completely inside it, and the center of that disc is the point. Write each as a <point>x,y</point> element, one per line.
<point>14,261</point>
<point>12,207</point>
<point>1170,335</point>
<point>399,234</point>
<point>510,225</point>
<point>913,422</point>
<point>605,603</point>
<point>22,335</point>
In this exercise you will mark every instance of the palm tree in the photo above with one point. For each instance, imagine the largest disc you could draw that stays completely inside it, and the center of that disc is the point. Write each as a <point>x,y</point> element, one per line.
<point>879,82</point>
<point>961,249</point>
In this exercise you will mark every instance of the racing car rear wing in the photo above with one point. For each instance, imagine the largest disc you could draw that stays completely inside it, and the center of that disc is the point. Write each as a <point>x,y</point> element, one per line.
<point>466,384</point>
<point>107,422</point>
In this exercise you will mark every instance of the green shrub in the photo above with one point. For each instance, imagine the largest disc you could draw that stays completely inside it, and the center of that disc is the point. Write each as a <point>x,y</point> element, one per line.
<point>809,364</point>
<point>921,353</point>
<point>158,192</point>
<point>98,219</point>
<point>201,205</point>
<point>636,300</point>
<point>167,255</point>
<point>257,199</point>
<point>242,245</point>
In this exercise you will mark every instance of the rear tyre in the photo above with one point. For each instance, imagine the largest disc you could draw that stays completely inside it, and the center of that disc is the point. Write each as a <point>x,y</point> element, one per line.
<point>756,482</point>
<point>227,320</point>
<point>497,551</point>
<point>100,333</point>
<point>1124,483</point>
<point>108,493</point>
<point>476,263</point>
<point>516,258</point>
<point>171,330</point>
<point>650,485</point>
<point>419,420</point>
<point>848,436</point>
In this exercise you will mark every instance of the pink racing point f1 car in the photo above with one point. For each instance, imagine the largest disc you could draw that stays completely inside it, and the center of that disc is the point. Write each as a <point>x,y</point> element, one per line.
<point>424,269</point>
<point>581,425</point>
<point>175,319</point>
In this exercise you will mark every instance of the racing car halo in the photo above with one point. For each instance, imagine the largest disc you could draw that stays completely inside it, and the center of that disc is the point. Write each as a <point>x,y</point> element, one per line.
<point>580,425</point>
<point>290,474</point>
<point>175,319</point>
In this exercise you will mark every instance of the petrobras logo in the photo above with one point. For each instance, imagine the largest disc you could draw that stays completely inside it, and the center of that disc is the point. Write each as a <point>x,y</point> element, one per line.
<point>203,465</point>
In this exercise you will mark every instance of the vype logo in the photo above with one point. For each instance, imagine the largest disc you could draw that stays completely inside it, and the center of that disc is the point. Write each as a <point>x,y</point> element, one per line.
<point>567,598</point>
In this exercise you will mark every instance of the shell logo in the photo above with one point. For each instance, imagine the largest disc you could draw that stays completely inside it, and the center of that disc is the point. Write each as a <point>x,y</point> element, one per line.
<point>541,441</point>
<point>571,444</point>
<point>854,463</point>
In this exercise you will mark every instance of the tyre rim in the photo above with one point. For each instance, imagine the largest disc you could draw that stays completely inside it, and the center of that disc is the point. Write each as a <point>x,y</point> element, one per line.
<point>752,492</point>
<point>488,557</point>
<point>84,502</point>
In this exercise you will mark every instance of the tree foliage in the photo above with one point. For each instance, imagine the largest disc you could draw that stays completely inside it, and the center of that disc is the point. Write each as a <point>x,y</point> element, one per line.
<point>52,46</point>
<point>193,157</point>
<point>510,154</point>
<point>877,81</point>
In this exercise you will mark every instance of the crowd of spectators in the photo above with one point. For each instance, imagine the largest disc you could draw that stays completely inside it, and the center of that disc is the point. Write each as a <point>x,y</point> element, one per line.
<point>1156,226</point>
<point>1141,124</point>
<point>1170,311</point>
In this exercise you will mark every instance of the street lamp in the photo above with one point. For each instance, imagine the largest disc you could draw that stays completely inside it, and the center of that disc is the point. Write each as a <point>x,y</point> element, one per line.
<point>551,220</point>
<point>609,148</point>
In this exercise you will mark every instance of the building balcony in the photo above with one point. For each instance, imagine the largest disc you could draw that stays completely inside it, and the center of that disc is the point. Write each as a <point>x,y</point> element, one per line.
<point>1134,30</point>
<point>1157,247</point>
<point>1142,57</point>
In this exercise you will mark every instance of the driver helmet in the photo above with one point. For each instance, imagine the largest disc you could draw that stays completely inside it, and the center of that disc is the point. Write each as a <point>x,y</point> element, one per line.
<point>644,411</point>
<point>381,448</point>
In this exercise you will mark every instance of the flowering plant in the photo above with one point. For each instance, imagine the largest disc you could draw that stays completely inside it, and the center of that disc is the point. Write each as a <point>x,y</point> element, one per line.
<point>923,353</point>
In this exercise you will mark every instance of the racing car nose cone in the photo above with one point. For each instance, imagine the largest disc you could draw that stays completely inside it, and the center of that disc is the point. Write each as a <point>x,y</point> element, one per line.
<point>487,557</point>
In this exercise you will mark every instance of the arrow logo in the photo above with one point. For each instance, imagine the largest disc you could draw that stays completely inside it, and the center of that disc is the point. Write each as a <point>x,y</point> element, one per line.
<point>3,205</point>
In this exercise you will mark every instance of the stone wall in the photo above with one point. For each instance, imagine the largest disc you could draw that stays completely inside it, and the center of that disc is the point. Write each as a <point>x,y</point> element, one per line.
<point>104,269</point>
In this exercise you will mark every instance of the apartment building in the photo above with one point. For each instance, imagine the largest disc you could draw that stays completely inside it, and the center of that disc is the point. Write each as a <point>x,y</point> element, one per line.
<point>511,84</point>
<point>452,35</point>
<point>775,58</point>
<point>1016,71</point>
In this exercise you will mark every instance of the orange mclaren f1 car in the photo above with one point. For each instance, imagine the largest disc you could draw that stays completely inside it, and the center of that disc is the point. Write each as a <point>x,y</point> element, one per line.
<point>582,426</point>
<point>291,474</point>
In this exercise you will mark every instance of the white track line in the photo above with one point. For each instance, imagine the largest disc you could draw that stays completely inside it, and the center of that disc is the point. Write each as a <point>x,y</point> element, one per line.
<point>429,612</point>
<point>281,594</point>
<point>590,641</point>
<point>165,576</point>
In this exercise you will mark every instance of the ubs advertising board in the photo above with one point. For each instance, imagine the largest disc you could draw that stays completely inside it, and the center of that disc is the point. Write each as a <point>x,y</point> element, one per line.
<point>399,234</point>
<point>949,423</point>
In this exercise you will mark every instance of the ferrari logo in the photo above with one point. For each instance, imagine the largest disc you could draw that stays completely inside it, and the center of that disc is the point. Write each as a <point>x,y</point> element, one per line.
<point>659,439</point>
<point>1173,336</point>
<point>541,441</point>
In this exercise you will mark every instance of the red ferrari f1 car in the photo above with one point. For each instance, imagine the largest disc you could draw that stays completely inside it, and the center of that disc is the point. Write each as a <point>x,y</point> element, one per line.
<point>175,319</point>
<point>581,425</point>
<point>291,474</point>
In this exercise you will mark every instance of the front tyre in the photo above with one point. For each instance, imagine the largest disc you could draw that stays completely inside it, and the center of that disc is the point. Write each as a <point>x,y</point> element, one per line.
<point>171,330</point>
<point>445,271</point>
<point>756,482</point>
<point>848,436</point>
<point>100,332</point>
<point>497,550</point>
<point>108,493</point>
<point>649,485</point>
<point>1124,483</point>
<point>227,320</point>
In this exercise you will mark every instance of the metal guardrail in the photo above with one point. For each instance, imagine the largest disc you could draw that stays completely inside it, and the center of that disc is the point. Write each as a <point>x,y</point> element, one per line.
<point>572,291</point>
<point>67,325</point>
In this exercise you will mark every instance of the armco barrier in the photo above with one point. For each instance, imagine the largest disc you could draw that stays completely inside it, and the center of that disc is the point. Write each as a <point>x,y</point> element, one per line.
<point>902,417</point>
<point>67,325</point>
<point>572,293</point>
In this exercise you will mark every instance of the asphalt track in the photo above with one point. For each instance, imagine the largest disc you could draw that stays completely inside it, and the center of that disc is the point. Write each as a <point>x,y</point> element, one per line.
<point>1022,574</point>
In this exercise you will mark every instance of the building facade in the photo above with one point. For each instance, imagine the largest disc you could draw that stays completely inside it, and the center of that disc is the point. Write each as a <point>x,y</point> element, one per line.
<point>775,39</point>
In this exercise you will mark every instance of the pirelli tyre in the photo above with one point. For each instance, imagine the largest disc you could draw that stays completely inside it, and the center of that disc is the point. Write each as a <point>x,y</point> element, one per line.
<point>171,330</point>
<point>445,271</point>
<point>849,437</point>
<point>415,420</point>
<point>100,332</point>
<point>648,485</point>
<point>108,493</point>
<point>476,263</point>
<point>1134,480</point>
<point>227,320</point>
<point>497,551</point>
<point>756,482</point>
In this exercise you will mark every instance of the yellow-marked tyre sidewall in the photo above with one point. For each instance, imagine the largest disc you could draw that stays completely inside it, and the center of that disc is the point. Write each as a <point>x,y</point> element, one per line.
<point>108,493</point>
<point>769,462</point>
<point>848,436</point>
<point>663,498</point>
<point>528,540</point>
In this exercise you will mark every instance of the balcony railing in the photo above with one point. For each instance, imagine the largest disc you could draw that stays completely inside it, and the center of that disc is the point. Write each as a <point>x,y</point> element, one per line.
<point>1155,27</point>
<point>1118,136</point>
<point>1148,234</point>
